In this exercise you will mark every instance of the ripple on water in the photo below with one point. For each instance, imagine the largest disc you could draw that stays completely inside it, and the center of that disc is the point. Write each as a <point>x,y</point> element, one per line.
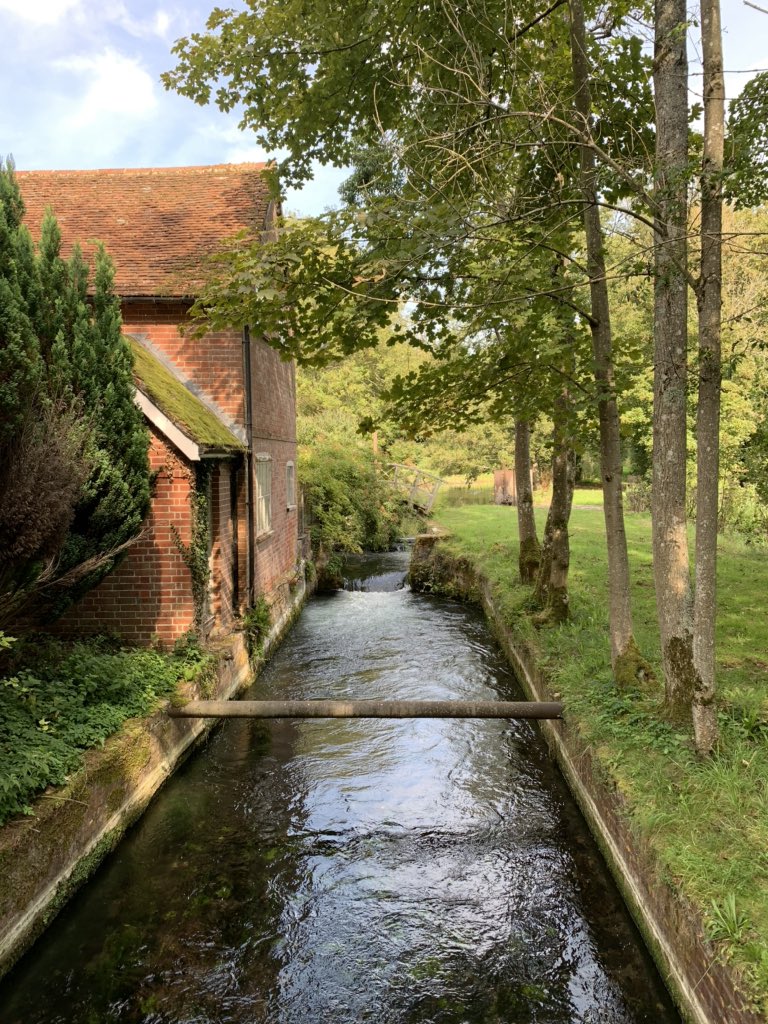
<point>332,872</point>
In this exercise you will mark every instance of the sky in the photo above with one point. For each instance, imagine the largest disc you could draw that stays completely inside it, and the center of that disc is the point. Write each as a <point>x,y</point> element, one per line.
<point>80,87</point>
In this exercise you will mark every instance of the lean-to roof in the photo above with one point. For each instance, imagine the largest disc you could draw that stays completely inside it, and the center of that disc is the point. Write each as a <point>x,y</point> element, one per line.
<point>185,411</point>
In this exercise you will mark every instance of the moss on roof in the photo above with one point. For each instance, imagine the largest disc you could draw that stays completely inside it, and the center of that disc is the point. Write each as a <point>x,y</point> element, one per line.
<point>179,404</point>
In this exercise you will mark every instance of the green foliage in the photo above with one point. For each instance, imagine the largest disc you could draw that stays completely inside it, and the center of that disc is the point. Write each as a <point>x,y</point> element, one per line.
<point>257,622</point>
<point>338,401</point>
<point>74,473</point>
<point>115,497</point>
<point>448,202</point>
<point>349,500</point>
<point>61,699</point>
<point>196,554</point>
<point>21,368</point>
<point>725,921</point>
<point>747,144</point>
<point>294,288</point>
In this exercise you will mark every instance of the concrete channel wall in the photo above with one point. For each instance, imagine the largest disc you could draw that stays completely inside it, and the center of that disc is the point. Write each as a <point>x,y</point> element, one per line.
<point>705,989</point>
<point>46,857</point>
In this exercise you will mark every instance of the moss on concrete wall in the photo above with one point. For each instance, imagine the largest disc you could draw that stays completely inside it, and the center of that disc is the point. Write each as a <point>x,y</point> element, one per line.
<point>706,990</point>
<point>45,858</point>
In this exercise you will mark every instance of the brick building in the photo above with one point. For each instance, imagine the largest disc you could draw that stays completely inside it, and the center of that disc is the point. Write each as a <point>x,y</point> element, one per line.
<point>221,410</point>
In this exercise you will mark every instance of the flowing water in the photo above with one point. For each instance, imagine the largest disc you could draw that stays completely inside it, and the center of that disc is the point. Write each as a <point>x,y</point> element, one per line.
<point>334,872</point>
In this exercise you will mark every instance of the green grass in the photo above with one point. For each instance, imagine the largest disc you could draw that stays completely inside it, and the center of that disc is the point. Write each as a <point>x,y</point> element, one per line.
<point>455,492</point>
<point>588,496</point>
<point>707,822</point>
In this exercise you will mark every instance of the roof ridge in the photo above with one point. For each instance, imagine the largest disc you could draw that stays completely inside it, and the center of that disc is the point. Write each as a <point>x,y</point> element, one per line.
<point>182,169</point>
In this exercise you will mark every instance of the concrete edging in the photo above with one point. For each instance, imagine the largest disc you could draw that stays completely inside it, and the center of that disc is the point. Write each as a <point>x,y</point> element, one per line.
<point>705,989</point>
<point>44,859</point>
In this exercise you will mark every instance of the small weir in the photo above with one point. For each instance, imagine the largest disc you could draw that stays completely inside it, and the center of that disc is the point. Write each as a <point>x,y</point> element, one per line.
<point>328,871</point>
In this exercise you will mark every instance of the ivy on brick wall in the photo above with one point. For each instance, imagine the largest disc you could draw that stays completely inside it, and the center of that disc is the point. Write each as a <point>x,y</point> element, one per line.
<point>195,554</point>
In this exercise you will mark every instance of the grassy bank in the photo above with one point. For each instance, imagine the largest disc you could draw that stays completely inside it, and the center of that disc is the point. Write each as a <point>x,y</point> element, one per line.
<point>706,821</point>
<point>59,699</point>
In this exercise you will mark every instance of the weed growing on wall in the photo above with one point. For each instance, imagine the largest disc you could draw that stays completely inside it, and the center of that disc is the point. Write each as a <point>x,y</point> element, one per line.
<point>257,622</point>
<point>195,555</point>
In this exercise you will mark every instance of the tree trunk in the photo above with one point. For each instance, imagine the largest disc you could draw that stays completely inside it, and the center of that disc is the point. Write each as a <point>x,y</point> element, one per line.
<point>543,576</point>
<point>551,593</point>
<point>670,539</point>
<point>530,549</point>
<point>708,412</point>
<point>624,655</point>
<point>563,481</point>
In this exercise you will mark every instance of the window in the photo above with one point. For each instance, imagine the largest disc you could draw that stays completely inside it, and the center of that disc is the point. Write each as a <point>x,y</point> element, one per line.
<point>290,485</point>
<point>262,493</point>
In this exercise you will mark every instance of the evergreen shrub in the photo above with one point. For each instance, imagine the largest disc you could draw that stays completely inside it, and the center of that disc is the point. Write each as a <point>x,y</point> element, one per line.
<point>74,469</point>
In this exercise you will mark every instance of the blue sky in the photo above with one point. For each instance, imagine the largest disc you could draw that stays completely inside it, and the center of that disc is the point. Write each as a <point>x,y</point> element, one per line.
<point>80,87</point>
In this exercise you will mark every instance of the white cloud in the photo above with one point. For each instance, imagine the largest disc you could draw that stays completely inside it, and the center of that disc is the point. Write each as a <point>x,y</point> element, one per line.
<point>40,12</point>
<point>115,85</point>
<point>243,154</point>
<point>157,24</point>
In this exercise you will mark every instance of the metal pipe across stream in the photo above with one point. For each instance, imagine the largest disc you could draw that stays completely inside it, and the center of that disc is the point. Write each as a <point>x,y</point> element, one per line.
<point>368,709</point>
<point>410,871</point>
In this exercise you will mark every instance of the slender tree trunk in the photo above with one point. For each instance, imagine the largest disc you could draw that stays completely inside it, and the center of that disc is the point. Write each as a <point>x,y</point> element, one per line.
<point>563,480</point>
<point>708,414</point>
<point>670,538</point>
<point>624,654</point>
<point>530,549</point>
<point>543,576</point>
<point>551,593</point>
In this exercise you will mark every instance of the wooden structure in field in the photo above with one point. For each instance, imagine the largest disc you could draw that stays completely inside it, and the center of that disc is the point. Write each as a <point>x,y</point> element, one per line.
<point>417,486</point>
<point>504,487</point>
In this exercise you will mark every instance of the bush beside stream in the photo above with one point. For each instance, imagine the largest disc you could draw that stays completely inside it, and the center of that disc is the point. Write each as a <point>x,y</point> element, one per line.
<point>59,699</point>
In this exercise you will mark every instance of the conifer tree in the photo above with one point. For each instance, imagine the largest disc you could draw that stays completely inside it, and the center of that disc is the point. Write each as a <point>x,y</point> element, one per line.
<point>116,496</point>
<point>21,367</point>
<point>74,473</point>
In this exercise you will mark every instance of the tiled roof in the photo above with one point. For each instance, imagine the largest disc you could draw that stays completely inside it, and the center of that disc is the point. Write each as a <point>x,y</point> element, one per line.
<point>158,224</point>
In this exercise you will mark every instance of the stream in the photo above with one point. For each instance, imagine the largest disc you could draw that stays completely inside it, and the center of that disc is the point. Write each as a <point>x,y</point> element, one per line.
<point>342,871</point>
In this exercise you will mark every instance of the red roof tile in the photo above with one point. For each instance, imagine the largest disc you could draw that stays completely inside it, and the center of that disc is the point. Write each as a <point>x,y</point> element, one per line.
<point>157,223</point>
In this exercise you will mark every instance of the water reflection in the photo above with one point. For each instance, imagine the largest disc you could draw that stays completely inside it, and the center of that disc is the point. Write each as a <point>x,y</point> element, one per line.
<point>424,872</point>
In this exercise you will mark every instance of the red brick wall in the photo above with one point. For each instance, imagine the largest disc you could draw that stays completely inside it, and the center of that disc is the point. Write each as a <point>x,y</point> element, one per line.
<point>274,434</point>
<point>214,364</point>
<point>148,597</point>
